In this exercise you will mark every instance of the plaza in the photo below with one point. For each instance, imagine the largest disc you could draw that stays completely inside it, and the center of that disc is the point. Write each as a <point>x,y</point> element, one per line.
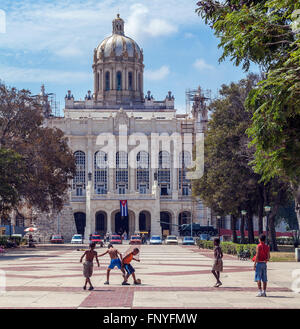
<point>172,277</point>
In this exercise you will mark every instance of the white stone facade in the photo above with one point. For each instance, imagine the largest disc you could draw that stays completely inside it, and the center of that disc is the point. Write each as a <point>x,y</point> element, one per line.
<point>119,112</point>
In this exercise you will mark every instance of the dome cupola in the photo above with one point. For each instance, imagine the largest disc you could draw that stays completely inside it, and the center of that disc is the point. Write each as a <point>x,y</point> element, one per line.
<point>118,68</point>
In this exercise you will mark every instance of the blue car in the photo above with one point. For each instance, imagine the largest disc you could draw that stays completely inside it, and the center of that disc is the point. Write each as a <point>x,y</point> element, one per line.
<point>188,240</point>
<point>155,239</point>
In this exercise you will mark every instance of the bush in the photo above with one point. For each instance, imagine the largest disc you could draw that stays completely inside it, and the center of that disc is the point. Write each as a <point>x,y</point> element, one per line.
<point>229,247</point>
<point>4,240</point>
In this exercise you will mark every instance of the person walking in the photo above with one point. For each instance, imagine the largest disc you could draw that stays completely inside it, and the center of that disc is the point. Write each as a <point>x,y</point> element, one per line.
<point>88,265</point>
<point>218,262</point>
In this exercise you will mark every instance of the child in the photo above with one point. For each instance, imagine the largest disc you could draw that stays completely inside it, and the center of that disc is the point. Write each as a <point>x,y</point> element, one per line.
<point>114,261</point>
<point>218,263</point>
<point>260,265</point>
<point>129,269</point>
<point>88,264</point>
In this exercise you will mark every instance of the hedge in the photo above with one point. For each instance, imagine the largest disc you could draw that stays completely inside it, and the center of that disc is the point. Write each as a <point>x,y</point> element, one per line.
<point>229,247</point>
<point>5,238</point>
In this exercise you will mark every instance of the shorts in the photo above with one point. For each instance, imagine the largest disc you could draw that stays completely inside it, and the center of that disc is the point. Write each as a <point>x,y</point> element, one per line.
<point>261,272</point>
<point>218,265</point>
<point>129,269</point>
<point>87,269</point>
<point>114,263</point>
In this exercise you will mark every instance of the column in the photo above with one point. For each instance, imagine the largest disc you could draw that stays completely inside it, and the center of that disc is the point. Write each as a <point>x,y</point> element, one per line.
<point>88,228</point>
<point>131,180</point>
<point>109,222</point>
<point>137,225</point>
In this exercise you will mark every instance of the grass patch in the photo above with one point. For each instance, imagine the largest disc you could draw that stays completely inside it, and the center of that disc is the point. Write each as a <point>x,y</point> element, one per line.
<point>279,256</point>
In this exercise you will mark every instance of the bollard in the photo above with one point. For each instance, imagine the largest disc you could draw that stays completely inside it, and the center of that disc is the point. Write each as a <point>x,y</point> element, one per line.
<point>297,254</point>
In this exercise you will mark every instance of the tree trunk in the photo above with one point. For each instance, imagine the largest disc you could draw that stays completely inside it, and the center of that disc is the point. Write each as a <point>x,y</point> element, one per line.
<point>242,229</point>
<point>250,226</point>
<point>272,234</point>
<point>233,228</point>
<point>297,204</point>
<point>261,209</point>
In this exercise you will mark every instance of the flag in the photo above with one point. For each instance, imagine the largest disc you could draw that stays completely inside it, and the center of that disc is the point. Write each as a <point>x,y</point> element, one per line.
<point>123,208</point>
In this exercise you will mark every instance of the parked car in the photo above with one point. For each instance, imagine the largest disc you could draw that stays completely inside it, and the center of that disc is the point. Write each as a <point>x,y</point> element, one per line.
<point>115,239</point>
<point>135,239</point>
<point>57,239</point>
<point>188,240</point>
<point>98,239</point>
<point>206,237</point>
<point>171,239</point>
<point>155,239</point>
<point>77,238</point>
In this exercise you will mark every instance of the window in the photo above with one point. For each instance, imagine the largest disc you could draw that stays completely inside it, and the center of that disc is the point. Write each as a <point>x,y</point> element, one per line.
<point>142,172</point>
<point>121,168</point>
<point>100,177</point>
<point>107,81</point>
<point>119,80</point>
<point>184,163</point>
<point>143,189</point>
<point>164,172</point>
<point>79,179</point>
<point>130,81</point>
<point>98,81</point>
<point>139,82</point>
<point>122,189</point>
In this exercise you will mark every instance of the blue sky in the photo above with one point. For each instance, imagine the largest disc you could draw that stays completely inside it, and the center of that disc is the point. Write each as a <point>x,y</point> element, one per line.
<point>52,42</point>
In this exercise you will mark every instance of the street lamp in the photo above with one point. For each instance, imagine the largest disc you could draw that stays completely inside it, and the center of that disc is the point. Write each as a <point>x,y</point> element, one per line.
<point>267,210</point>
<point>218,218</point>
<point>244,213</point>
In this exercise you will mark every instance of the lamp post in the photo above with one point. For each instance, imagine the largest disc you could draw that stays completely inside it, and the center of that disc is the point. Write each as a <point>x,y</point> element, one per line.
<point>267,210</point>
<point>218,218</point>
<point>244,213</point>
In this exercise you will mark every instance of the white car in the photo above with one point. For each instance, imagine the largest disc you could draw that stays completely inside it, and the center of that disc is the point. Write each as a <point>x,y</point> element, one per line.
<point>155,239</point>
<point>171,239</point>
<point>77,238</point>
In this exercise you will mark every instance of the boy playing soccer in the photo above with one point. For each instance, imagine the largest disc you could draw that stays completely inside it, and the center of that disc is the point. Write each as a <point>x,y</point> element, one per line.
<point>260,265</point>
<point>129,269</point>
<point>88,265</point>
<point>114,261</point>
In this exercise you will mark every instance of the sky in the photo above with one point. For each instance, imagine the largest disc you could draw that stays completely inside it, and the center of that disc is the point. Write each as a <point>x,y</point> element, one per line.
<point>52,43</point>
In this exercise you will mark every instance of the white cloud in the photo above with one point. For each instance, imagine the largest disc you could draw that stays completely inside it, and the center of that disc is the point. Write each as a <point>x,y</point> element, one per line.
<point>140,25</point>
<point>159,74</point>
<point>16,74</point>
<point>201,65</point>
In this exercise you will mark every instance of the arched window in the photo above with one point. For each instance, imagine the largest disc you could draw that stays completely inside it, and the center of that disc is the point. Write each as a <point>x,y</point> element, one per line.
<point>100,167</point>
<point>107,81</point>
<point>185,161</point>
<point>164,172</point>
<point>122,170</point>
<point>142,172</point>
<point>119,80</point>
<point>79,179</point>
<point>130,81</point>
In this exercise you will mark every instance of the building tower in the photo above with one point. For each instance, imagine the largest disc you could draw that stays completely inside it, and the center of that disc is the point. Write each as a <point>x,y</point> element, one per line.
<point>118,69</point>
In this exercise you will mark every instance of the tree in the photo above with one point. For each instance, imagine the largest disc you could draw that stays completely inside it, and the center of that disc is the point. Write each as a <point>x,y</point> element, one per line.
<point>45,155</point>
<point>12,177</point>
<point>229,183</point>
<point>266,33</point>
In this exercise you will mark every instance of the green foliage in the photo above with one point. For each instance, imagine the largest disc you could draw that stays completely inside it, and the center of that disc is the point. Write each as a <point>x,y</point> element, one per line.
<point>229,247</point>
<point>4,240</point>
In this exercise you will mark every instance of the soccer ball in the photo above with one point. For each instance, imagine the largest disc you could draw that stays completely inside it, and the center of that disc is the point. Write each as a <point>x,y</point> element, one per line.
<point>138,281</point>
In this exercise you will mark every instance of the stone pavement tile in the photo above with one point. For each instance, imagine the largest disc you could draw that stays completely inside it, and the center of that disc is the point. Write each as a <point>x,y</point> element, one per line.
<point>19,298</point>
<point>156,299</point>
<point>60,299</point>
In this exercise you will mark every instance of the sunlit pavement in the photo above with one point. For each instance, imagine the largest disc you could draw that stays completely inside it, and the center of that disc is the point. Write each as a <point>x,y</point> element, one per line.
<point>172,277</point>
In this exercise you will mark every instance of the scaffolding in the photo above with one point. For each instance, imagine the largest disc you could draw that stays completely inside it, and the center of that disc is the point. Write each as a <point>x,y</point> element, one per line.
<point>194,122</point>
<point>50,106</point>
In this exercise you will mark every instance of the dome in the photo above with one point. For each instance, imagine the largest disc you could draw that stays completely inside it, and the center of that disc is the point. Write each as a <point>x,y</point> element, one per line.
<point>118,44</point>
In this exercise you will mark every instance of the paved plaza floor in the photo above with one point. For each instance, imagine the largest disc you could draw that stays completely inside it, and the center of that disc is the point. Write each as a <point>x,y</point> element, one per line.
<point>172,277</point>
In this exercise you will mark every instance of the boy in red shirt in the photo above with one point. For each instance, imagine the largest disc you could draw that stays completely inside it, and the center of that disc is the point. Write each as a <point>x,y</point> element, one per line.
<point>260,265</point>
<point>129,269</point>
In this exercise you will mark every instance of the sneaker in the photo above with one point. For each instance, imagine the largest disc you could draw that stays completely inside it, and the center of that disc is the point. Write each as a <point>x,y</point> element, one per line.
<point>125,284</point>
<point>106,282</point>
<point>91,288</point>
<point>264,294</point>
<point>260,294</point>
